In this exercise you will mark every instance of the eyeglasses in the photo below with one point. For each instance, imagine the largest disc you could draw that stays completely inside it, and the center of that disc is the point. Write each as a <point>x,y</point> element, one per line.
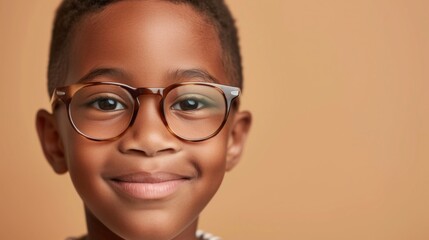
<point>192,111</point>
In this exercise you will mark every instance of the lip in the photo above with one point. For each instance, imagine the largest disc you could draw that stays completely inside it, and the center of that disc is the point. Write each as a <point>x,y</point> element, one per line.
<point>148,186</point>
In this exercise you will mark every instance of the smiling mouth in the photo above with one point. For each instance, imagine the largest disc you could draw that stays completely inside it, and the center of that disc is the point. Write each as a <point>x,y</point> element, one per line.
<point>148,186</point>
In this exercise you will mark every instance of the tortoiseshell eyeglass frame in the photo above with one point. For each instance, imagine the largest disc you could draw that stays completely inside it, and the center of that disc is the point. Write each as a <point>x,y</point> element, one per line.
<point>65,95</point>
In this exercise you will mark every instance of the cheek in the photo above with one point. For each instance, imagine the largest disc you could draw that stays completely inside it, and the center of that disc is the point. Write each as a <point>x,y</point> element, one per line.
<point>86,160</point>
<point>84,164</point>
<point>211,154</point>
<point>83,156</point>
<point>210,159</point>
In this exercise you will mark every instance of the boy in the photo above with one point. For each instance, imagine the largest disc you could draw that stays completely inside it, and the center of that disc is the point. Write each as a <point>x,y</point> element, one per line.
<point>145,112</point>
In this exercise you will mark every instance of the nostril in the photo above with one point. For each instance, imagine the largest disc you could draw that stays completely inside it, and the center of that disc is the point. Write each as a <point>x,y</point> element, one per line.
<point>148,153</point>
<point>148,143</point>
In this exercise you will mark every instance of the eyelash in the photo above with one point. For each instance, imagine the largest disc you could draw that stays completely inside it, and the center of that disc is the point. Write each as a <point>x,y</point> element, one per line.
<point>96,100</point>
<point>201,102</point>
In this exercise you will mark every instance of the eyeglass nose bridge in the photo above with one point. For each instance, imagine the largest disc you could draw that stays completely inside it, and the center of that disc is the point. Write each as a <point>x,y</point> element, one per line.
<point>149,91</point>
<point>136,93</point>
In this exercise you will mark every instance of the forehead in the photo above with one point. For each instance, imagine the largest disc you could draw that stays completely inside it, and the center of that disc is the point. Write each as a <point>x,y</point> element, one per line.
<point>147,40</point>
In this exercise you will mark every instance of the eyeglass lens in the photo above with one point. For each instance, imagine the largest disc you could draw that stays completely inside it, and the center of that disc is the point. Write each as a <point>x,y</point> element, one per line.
<point>192,112</point>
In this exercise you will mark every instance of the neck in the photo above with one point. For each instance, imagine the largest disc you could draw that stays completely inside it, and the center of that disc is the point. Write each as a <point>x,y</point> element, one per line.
<point>97,230</point>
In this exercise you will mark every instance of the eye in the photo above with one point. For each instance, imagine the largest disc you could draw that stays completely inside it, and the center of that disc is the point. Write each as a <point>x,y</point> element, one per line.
<point>107,104</point>
<point>189,104</point>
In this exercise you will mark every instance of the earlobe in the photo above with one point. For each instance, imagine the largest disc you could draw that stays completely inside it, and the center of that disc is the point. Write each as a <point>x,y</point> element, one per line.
<point>237,138</point>
<point>50,141</point>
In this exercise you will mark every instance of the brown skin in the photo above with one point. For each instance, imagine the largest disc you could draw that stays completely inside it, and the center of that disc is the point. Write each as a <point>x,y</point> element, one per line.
<point>148,40</point>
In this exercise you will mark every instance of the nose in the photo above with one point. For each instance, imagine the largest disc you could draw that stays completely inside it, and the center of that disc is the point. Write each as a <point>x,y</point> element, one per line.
<point>148,135</point>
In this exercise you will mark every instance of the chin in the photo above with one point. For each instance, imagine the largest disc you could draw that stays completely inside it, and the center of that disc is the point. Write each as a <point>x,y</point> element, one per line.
<point>151,227</point>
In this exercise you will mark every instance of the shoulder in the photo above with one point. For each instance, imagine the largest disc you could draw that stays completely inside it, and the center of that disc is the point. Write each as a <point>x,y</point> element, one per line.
<point>202,235</point>
<point>76,238</point>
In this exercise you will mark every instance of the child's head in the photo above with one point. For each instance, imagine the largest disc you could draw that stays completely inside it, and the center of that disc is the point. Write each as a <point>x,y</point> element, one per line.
<point>144,118</point>
<point>72,12</point>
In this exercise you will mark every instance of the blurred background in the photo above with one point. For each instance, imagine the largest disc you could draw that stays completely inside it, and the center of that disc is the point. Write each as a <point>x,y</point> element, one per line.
<point>339,147</point>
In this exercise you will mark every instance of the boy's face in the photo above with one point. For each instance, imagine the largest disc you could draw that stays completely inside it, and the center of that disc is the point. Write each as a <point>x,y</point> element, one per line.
<point>146,40</point>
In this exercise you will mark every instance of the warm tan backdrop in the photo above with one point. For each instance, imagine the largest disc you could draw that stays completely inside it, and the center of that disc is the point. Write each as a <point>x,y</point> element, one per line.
<point>340,143</point>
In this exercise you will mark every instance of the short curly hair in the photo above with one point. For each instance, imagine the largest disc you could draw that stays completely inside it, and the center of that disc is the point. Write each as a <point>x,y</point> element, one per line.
<point>70,12</point>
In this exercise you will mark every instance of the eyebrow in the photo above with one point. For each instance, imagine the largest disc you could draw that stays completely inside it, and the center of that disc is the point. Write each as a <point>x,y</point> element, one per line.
<point>179,74</point>
<point>193,73</point>
<point>109,72</point>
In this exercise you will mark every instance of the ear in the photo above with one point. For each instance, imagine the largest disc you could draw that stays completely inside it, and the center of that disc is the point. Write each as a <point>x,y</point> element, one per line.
<point>50,140</point>
<point>237,138</point>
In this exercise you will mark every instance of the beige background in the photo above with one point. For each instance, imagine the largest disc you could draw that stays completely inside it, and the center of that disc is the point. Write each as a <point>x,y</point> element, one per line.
<point>340,143</point>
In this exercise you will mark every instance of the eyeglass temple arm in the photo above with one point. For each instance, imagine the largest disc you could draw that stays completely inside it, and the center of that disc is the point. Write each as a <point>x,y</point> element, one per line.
<point>231,93</point>
<point>59,94</point>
